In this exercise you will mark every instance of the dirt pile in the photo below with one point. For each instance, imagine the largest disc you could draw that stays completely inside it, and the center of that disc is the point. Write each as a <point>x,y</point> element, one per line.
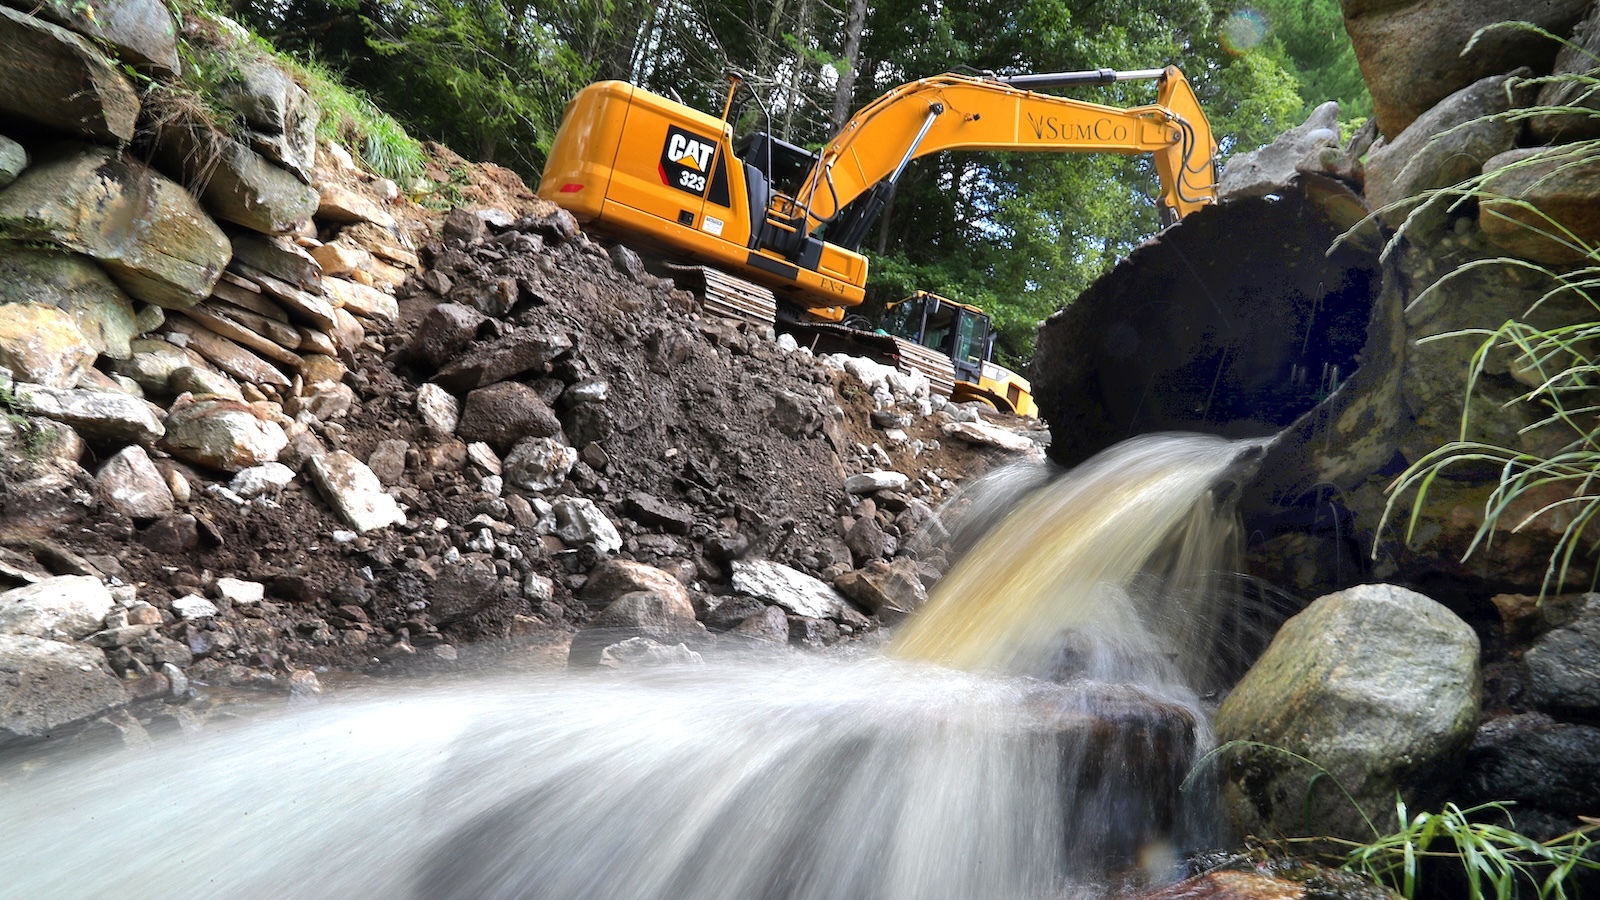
<point>563,444</point>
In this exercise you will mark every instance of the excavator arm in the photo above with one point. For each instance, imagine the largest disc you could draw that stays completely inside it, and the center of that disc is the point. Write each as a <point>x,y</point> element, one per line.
<point>962,112</point>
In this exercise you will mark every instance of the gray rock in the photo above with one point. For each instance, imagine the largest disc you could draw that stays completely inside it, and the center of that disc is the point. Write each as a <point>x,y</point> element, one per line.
<point>132,485</point>
<point>354,492</point>
<point>889,590</point>
<point>587,390</point>
<point>464,225</point>
<point>799,593</point>
<point>281,116</point>
<point>194,606</point>
<point>511,355</point>
<point>538,464</point>
<point>221,434</point>
<point>446,330</point>
<point>265,480</point>
<point>627,262</point>
<point>45,685</point>
<point>140,31</point>
<point>146,230</point>
<point>388,460</point>
<point>440,411</point>
<point>868,482</point>
<point>579,523</point>
<point>74,286</point>
<point>101,417</point>
<point>1562,187</point>
<point>60,80</point>
<point>279,257</point>
<point>236,183</point>
<point>1269,169</point>
<point>502,414</point>
<point>984,434</point>
<point>1445,146</point>
<point>654,512</point>
<point>641,652</point>
<point>13,160</point>
<point>240,592</point>
<point>1564,665</point>
<point>66,606</point>
<point>152,363</point>
<point>655,614</point>
<point>867,540</point>
<point>1572,85</point>
<point>1411,51</point>
<point>1377,684</point>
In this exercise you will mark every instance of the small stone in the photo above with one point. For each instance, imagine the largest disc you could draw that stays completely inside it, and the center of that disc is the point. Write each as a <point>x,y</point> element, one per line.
<point>867,482</point>
<point>240,592</point>
<point>354,492</point>
<point>194,606</point>
<point>265,480</point>
<point>132,485</point>
<point>440,411</point>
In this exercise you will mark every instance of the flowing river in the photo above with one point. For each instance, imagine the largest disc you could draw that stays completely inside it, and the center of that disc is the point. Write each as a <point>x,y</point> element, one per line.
<point>1025,736</point>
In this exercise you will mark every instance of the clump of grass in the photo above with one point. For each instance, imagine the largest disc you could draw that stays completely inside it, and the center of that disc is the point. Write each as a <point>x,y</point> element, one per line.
<point>377,141</point>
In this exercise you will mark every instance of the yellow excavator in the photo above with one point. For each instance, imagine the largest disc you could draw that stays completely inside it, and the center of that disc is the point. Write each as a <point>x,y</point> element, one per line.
<point>770,222</point>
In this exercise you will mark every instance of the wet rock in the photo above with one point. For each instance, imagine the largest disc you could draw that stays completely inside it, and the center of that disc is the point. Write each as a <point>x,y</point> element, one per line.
<point>1413,52</point>
<point>504,413</point>
<point>538,464</point>
<point>867,540</point>
<point>888,590</point>
<point>45,685</point>
<point>511,355</point>
<point>1265,171</point>
<point>770,626</point>
<point>1564,665</point>
<point>654,512</point>
<point>13,160</point>
<point>102,418</point>
<point>579,523</point>
<point>795,591</point>
<point>236,183</point>
<point>130,484</point>
<point>461,592</point>
<point>1540,764</point>
<point>146,230</point>
<point>60,80</point>
<point>354,492</point>
<point>640,652</point>
<point>1575,59</point>
<point>1377,684</point>
<point>66,606</point>
<point>440,411</point>
<point>1445,146</point>
<point>282,119</point>
<point>140,31</point>
<point>74,285</point>
<point>222,434</point>
<point>1562,187</point>
<point>446,330</point>
<point>1301,881</point>
<point>868,482</point>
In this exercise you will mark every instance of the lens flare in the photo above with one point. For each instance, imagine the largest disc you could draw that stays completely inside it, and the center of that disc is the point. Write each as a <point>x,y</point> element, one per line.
<point>1243,31</point>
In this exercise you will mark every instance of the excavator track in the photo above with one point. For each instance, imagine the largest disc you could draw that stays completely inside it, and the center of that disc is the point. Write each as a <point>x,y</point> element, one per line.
<point>936,366</point>
<point>724,296</point>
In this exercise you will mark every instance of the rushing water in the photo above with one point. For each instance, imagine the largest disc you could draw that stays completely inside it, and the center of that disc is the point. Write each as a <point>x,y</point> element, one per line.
<point>1025,738</point>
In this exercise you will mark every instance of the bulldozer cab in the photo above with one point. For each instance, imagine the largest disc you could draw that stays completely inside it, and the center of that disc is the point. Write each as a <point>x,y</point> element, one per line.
<point>956,330</point>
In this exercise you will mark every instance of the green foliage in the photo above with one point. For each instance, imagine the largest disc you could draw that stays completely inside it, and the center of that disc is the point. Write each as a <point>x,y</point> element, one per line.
<point>1308,39</point>
<point>376,140</point>
<point>1496,860</point>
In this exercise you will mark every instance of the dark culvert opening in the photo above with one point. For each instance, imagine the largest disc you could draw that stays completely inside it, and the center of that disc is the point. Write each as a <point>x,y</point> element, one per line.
<point>1235,322</point>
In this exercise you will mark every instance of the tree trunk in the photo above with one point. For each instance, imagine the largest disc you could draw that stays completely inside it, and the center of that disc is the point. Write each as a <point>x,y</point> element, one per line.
<point>855,23</point>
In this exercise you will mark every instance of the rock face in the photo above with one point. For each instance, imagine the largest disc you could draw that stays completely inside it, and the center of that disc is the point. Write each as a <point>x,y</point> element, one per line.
<point>58,79</point>
<point>47,684</point>
<point>141,31</point>
<point>1378,685</point>
<point>1551,210</point>
<point>1575,59</point>
<point>1564,665</point>
<point>1413,52</point>
<point>146,230</point>
<point>237,184</point>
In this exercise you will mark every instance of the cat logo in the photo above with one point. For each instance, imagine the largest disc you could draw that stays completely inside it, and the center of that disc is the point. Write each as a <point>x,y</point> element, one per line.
<point>686,161</point>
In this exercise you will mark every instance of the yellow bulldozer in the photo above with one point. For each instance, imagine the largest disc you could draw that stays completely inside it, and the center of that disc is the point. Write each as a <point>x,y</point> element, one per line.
<point>776,227</point>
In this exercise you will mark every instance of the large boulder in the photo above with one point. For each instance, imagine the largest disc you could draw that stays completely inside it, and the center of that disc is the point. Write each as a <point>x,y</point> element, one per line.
<point>1551,207</point>
<point>502,414</point>
<point>43,345</point>
<point>1265,171</point>
<point>282,119</point>
<point>146,230</point>
<point>1445,146</point>
<point>795,591</point>
<point>140,31</point>
<point>103,418</point>
<point>60,80</point>
<point>1377,685</point>
<point>236,183</point>
<point>130,484</point>
<point>65,607</point>
<point>1413,53</point>
<point>1564,665</point>
<point>45,685</point>
<point>220,433</point>
<point>71,285</point>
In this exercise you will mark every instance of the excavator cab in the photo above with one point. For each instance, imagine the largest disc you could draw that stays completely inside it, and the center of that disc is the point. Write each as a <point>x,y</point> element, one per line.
<point>963,334</point>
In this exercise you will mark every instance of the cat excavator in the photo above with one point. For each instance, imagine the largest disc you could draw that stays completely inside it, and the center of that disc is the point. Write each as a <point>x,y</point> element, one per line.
<point>771,230</point>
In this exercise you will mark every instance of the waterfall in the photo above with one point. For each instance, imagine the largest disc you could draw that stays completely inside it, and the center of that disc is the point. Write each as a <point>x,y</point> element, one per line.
<point>1024,738</point>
